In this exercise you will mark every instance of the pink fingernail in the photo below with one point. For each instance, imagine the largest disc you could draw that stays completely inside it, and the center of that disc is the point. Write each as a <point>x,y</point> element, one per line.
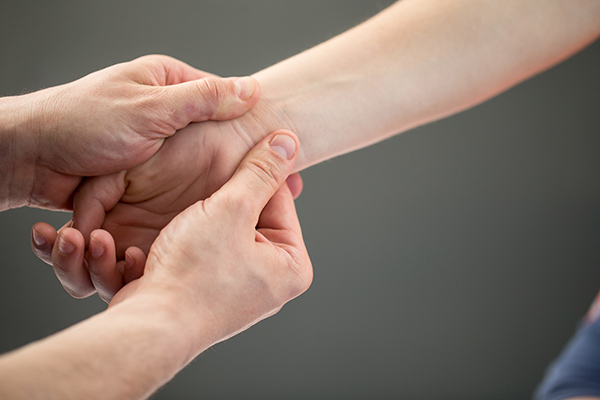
<point>64,246</point>
<point>38,239</point>
<point>96,248</point>
<point>244,87</point>
<point>128,261</point>
<point>283,145</point>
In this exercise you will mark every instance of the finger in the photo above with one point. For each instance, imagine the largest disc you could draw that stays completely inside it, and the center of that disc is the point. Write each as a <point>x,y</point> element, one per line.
<point>260,174</point>
<point>295,184</point>
<point>279,225</point>
<point>280,214</point>
<point>43,237</point>
<point>68,263</point>
<point>94,198</point>
<point>135,261</point>
<point>209,98</point>
<point>102,265</point>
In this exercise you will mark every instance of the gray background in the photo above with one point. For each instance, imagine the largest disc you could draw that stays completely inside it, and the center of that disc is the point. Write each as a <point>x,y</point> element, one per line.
<point>452,261</point>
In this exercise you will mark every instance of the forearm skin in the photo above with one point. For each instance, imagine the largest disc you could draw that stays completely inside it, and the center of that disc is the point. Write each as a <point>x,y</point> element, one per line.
<point>416,62</point>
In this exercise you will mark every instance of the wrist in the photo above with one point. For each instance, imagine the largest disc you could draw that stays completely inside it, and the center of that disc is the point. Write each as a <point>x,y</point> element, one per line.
<point>268,115</point>
<point>325,111</point>
<point>174,316</point>
<point>17,146</point>
<point>282,106</point>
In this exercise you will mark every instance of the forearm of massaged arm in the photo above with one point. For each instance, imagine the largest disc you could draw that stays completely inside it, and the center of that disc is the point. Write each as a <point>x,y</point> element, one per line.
<point>418,61</point>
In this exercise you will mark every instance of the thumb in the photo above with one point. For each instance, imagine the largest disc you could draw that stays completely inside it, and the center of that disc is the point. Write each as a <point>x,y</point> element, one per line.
<point>210,98</point>
<point>260,174</point>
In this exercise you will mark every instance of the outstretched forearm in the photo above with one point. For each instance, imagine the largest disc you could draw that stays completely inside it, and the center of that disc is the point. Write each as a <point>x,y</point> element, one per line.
<point>418,61</point>
<point>415,62</point>
<point>126,352</point>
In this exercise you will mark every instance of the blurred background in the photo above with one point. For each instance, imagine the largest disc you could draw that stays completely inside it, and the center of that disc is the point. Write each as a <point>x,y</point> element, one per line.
<point>452,261</point>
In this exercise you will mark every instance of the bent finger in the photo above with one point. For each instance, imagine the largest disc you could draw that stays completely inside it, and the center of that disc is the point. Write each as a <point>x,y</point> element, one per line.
<point>135,261</point>
<point>279,221</point>
<point>280,211</point>
<point>43,237</point>
<point>102,265</point>
<point>279,225</point>
<point>94,198</point>
<point>69,265</point>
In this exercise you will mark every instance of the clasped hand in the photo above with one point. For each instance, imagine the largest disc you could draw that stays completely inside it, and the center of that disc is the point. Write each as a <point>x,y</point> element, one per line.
<point>118,215</point>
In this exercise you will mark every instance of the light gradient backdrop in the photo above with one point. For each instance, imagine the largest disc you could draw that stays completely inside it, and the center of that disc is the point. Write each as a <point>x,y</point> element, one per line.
<point>452,261</point>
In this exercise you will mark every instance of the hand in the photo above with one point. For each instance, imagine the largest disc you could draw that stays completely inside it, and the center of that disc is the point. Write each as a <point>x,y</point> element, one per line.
<point>235,258</point>
<point>219,267</point>
<point>133,206</point>
<point>117,118</point>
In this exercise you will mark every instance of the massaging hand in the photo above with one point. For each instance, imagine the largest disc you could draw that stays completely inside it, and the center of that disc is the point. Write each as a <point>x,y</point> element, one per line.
<point>235,258</point>
<point>133,206</point>
<point>117,118</point>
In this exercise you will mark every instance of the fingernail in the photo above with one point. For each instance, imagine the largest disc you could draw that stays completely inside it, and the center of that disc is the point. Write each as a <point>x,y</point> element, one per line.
<point>64,246</point>
<point>283,145</point>
<point>38,239</point>
<point>96,248</point>
<point>244,87</point>
<point>128,261</point>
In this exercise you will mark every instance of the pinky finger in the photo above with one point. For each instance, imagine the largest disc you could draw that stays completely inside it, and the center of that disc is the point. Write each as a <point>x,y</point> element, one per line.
<point>135,261</point>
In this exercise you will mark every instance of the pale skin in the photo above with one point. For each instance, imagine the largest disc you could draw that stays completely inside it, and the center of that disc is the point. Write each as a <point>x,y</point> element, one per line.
<point>417,61</point>
<point>219,267</point>
<point>187,300</point>
<point>109,120</point>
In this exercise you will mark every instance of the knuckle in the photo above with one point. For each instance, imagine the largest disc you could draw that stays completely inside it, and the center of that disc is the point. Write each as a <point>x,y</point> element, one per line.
<point>145,59</point>
<point>297,275</point>
<point>305,279</point>
<point>301,269</point>
<point>230,203</point>
<point>151,61</point>
<point>160,111</point>
<point>232,208</point>
<point>153,58</point>
<point>209,91</point>
<point>267,171</point>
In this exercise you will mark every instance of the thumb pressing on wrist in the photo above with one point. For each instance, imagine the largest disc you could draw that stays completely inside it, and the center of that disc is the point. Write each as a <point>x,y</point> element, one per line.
<point>211,98</point>
<point>261,173</point>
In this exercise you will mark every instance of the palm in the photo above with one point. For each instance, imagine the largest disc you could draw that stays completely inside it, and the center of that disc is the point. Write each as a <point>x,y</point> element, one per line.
<point>190,166</point>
